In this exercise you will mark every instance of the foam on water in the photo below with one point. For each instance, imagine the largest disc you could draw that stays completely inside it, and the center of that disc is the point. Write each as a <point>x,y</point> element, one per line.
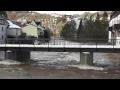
<point>86,67</point>
<point>9,62</point>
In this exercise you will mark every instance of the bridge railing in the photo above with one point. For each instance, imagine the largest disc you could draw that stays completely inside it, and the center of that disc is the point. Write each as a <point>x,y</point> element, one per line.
<point>61,41</point>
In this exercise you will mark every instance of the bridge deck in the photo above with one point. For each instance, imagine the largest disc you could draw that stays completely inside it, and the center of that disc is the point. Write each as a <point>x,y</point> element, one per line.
<point>62,48</point>
<point>57,46</point>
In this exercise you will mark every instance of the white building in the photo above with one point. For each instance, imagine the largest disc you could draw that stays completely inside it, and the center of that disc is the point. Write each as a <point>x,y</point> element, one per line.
<point>3,27</point>
<point>13,30</point>
<point>114,28</point>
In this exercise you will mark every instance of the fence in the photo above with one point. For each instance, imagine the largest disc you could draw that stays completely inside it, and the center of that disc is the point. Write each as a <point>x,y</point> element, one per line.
<point>61,41</point>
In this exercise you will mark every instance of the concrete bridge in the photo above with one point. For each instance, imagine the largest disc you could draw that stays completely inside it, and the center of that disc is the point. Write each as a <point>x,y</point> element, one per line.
<point>22,51</point>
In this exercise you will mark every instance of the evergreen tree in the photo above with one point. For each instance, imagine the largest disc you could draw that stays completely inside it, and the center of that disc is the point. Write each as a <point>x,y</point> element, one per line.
<point>79,29</point>
<point>105,18</point>
<point>97,21</point>
<point>88,29</point>
<point>68,30</point>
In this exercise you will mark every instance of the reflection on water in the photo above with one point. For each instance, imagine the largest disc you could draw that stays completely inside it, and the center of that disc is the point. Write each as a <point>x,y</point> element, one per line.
<point>61,65</point>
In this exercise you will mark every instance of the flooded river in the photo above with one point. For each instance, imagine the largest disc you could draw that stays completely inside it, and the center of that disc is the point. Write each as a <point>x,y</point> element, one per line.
<point>61,65</point>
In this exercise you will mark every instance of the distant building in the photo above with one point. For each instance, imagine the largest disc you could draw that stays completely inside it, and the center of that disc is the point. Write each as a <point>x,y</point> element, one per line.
<point>13,30</point>
<point>40,32</point>
<point>33,29</point>
<point>56,15</point>
<point>30,30</point>
<point>40,29</point>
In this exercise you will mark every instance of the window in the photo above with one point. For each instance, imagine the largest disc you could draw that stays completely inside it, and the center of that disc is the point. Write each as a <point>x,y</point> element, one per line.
<point>2,21</point>
<point>2,29</point>
<point>118,34</point>
<point>2,37</point>
<point>16,32</point>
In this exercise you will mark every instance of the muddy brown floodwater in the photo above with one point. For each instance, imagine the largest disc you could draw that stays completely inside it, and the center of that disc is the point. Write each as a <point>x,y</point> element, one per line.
<point>61,65</point>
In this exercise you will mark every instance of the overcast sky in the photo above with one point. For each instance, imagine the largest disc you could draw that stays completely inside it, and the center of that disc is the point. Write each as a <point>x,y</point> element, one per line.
<point>64,12</point>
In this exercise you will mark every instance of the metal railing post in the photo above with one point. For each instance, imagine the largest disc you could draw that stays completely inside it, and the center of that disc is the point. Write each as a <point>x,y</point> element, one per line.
<point>54,40</point>
<point>113,43</point>
<point>48,44</point>
<point>19,41</point>
<point>96,43</point>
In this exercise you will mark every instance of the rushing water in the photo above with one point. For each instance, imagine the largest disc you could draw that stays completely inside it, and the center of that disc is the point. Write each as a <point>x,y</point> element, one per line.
<point>63,65</point>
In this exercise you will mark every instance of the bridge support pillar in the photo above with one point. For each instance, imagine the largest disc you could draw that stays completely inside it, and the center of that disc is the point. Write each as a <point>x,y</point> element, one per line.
<point>86,58</point>
<point>18,55</point>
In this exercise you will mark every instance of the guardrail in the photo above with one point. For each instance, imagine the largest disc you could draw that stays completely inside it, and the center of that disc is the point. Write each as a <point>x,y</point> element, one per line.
<point>61,41</point>
<point>55,44</point>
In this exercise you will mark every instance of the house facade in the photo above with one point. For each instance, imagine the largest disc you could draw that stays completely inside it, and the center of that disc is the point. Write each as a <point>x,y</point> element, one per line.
<point>3,26</point>
<point>114,28</point>
<point>30,30</point>
<point>33,29</point>
<point>13,30</point>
